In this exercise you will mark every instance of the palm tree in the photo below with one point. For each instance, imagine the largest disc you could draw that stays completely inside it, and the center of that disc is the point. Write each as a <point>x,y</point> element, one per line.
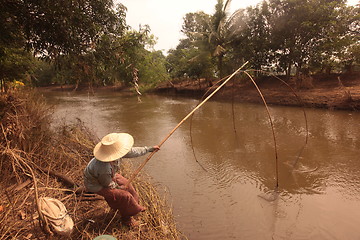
<point>224,30</point>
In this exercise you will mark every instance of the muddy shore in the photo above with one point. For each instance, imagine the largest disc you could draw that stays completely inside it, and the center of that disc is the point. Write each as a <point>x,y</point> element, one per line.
<point>326,91</point>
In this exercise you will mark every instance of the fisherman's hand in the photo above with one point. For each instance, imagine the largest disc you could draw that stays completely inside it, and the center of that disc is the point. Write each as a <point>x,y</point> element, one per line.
<point>155,148</point>
<point>123,187</point>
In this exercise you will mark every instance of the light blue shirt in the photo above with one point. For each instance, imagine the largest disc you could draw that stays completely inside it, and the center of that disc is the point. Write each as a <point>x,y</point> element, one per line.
<point>98,175</point>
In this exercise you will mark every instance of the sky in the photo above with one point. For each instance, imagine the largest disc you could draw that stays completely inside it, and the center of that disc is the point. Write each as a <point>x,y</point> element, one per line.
<point>165,17</point>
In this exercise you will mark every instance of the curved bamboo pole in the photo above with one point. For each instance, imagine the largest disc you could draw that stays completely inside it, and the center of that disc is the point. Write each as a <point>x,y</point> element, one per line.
<point>179,124</point>
<point>303,109</point>
<point>272,128</point>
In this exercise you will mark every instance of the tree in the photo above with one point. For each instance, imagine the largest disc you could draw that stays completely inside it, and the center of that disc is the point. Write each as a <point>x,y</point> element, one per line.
<point>115,59</point>
<point>342,50</point>
<point>351,57</point>
<point>87,41</point>
<point>14,64</point>
<point>225,30</point>
<point>196,26</point>
<point>50,29</point>
<point>208,37</point>
<point>151,70</point>
<point>192,57</point>
<point>252,42</point>
<point>218,37</point>
<point>302,30</point>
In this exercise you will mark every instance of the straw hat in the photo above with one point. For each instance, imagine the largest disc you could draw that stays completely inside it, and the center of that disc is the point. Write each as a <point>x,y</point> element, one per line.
<point>113,146</point>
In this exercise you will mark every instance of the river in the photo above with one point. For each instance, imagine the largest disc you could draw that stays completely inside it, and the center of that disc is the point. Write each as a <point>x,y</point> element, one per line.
<point>220,170</point>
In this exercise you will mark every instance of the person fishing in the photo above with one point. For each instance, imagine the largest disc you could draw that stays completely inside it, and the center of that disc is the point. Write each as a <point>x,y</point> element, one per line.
<point>101,174</point>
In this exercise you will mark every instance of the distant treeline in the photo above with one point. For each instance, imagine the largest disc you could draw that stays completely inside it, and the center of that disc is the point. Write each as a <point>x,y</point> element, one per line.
<point>89,43</point>
<point>283,36</point>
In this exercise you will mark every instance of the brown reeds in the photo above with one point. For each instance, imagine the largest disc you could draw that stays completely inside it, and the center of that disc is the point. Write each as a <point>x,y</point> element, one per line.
<point>38,160</point>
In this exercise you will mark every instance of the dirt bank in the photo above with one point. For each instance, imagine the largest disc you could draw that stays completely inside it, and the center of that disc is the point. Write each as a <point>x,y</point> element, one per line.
<point>327,91</point>
<point>39,161</point>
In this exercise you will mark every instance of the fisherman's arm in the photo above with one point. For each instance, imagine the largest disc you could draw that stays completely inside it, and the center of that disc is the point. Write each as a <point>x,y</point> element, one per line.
<point>140,151</point>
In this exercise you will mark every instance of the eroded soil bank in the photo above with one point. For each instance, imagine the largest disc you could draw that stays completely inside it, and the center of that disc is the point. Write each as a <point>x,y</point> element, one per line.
<point>341,92</point>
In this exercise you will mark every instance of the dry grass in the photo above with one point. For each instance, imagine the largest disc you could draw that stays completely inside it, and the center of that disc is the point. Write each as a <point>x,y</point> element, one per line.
<point>31,152</point>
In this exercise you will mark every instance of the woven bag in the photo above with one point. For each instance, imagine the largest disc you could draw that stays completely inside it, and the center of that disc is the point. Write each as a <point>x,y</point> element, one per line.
<point>57,215</point>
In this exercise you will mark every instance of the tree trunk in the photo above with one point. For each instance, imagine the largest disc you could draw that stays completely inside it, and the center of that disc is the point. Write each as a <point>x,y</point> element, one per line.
<point>328,69</point>
<point>297,71</point>
<point>288,71</point>
<point>220,65</point>
<point>349,68</point>
<point>2,89</point>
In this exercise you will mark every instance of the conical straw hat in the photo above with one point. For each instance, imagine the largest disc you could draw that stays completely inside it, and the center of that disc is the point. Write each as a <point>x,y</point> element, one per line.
<point>113,146</point>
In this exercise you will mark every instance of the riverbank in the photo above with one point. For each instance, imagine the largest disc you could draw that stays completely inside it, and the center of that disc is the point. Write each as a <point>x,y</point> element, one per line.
<point>335,92</point>
<point>327,91</point>
<point>37,161</point>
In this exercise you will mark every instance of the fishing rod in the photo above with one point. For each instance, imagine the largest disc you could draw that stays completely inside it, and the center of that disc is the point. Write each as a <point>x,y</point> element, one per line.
<point>179,124</point>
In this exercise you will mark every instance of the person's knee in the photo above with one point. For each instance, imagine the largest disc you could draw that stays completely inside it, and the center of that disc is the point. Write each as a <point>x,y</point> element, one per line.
<point>120,180</point>
<point>124,195</point>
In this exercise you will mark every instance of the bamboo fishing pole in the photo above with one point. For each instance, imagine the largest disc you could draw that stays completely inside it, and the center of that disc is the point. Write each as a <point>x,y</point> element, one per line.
<point>179,124</point>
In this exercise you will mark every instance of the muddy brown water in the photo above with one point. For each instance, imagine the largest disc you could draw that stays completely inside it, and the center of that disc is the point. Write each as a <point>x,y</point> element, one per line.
<point>234,198</point>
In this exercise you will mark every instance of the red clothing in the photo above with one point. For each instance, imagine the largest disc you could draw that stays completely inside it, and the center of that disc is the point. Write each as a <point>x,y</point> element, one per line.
<point>127,202</point>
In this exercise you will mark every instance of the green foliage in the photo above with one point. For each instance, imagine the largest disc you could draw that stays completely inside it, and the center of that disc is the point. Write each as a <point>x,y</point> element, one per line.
<point>49,29</point>
<point>191,61</point>
<point>14,64</point>
<point>192,57</point>
<point>253,39</point>
<point>84,42</point>
<point>276,35</point>
<point>115,59</point>
<point>62,27</point>
<point>152,69</point>
<point>305,30</point>
<point>221,33</point>
<point>43,74</point>
<point>211,41</point>
<point>196,26</point>
<point>124,58</point>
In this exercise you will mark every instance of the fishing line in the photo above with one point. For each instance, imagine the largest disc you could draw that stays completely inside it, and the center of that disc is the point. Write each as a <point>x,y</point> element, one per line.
<point>192,147</point>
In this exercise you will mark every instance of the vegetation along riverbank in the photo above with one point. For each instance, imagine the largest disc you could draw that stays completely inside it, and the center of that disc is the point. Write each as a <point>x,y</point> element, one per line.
<point>38,161</point>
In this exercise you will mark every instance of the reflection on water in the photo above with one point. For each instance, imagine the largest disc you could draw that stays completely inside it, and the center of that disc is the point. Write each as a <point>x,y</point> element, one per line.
<point>318,199</point>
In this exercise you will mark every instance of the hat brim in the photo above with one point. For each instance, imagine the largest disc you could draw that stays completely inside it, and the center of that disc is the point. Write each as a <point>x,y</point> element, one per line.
<point>117,150</point>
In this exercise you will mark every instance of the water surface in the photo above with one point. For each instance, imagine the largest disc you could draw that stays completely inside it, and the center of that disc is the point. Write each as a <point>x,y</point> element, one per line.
<point>319,192</point>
